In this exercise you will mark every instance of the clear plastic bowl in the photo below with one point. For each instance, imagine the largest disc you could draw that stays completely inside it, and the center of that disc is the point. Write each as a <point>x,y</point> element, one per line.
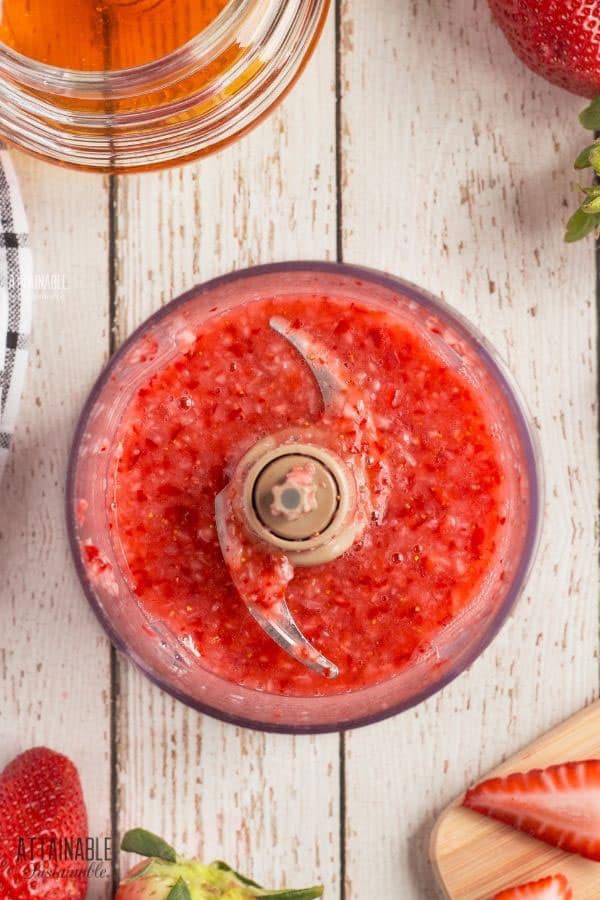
<point>157,651</point>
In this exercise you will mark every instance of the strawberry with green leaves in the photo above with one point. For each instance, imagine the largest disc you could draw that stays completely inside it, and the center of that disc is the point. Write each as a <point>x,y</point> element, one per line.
<point>558,39</point>
<point>168,876</point>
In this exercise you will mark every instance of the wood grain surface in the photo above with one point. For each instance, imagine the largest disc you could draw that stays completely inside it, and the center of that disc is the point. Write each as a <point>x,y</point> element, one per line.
<point>54,659</point>
<point>268,804</point>
<point>414,142</point>
<point>464,165</point>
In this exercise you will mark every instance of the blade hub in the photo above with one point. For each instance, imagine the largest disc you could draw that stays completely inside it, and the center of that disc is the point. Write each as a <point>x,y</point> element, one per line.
<point>295,497</point>
<point>300,499</point>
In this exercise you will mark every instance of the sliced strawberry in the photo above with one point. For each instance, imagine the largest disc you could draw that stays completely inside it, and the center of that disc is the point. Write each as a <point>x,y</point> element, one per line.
<point>555,887</point>
<point>559,805</point>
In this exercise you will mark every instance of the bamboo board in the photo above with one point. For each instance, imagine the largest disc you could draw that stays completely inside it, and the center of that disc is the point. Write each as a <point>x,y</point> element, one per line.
<point>474,857</point>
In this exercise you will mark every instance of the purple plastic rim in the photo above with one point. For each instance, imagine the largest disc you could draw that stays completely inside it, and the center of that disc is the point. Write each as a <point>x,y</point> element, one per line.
<point>515,403</point>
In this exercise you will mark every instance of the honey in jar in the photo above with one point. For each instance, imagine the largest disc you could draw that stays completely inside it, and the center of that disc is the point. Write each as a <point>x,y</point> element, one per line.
<point>102,35</point>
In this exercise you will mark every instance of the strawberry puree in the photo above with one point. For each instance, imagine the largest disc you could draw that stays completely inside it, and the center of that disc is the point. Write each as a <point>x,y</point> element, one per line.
<point>377,607</point>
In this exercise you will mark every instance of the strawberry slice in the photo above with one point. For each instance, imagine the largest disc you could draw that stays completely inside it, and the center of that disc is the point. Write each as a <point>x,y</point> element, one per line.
<point>555,887</point>
<point>559,805</point>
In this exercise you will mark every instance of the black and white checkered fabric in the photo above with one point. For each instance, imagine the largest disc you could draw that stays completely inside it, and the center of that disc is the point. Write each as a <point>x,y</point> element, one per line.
<point>16,291</point>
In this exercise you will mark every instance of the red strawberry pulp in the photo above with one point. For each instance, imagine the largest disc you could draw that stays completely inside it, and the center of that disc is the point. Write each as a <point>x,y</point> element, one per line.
<point>232,382</point>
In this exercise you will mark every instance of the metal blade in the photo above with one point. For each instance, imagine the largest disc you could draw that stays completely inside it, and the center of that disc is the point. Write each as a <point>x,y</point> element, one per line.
<point>326,368</point>
<point>345,400</point>
<point>261,577</point>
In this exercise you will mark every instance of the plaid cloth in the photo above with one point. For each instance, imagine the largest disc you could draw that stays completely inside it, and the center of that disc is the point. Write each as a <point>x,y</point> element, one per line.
<point>16,292</point>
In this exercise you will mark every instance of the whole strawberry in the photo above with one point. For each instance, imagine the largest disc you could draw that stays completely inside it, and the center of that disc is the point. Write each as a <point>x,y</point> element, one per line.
<point>167,876</point>
<point>558,39</point>
<point>41,805</point>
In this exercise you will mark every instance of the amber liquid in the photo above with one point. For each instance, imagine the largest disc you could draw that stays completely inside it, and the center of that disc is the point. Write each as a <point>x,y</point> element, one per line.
<point>98,35</point>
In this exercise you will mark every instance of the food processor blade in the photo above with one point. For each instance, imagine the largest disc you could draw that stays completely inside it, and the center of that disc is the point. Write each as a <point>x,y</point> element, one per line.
<point>261,579</point>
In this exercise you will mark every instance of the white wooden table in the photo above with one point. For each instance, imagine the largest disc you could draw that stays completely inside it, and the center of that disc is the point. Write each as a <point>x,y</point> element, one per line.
<point>448,163</point>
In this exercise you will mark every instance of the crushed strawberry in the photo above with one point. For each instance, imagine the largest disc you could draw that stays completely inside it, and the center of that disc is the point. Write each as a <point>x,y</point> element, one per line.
<point>382,603</point>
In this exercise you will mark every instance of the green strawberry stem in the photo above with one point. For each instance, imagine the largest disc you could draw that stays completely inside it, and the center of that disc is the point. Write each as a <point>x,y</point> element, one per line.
<point>219,864</point>
<point>180,891</point>
<point>590,117</point>
<point>586,157</point>
<point>586,219</point>
<point>302,894</point>
<point>147,844</point>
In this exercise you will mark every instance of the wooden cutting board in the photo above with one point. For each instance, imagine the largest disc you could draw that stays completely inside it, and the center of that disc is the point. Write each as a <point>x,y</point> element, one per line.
<point>474,857</point>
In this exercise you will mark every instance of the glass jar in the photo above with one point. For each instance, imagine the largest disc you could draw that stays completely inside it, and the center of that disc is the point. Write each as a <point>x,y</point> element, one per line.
<point>185,104</point>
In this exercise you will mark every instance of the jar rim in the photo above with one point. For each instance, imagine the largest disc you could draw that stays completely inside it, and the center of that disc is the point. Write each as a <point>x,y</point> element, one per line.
<point>195,53</point>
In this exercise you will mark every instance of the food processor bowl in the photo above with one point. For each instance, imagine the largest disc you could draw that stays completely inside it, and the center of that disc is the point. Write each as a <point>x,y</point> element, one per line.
<point>167,659</point>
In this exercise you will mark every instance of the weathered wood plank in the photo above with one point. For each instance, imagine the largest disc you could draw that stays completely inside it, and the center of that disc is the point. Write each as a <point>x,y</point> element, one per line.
<point>456,165</point>
<point>267,804</point>
<point>54,658</point>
